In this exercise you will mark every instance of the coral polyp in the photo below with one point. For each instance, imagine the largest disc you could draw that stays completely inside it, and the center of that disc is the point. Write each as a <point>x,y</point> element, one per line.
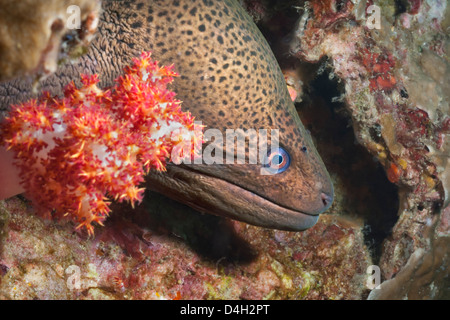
<point>77,152</point>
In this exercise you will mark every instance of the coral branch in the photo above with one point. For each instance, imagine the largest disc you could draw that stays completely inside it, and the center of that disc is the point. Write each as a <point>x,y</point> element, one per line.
<point>93,145</point>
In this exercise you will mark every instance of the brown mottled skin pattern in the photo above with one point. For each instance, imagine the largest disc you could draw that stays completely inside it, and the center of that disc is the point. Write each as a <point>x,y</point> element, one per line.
<point>229,79</point>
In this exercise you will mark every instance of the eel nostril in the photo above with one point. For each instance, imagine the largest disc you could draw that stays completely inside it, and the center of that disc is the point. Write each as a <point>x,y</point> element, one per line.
<point>326,199</point>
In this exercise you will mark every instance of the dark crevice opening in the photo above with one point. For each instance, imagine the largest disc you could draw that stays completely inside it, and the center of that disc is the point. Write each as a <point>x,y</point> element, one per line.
<point>362,190</point>
<point>401,6</point>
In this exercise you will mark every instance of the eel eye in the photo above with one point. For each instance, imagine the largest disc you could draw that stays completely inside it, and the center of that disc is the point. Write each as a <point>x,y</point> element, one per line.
<point>278,160</point>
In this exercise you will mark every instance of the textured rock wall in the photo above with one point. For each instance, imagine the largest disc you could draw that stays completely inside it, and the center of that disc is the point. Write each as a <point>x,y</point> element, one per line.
<point>36,34</point>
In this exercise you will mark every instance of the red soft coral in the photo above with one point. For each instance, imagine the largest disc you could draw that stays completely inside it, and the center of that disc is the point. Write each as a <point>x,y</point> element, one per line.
<point>77,152</point>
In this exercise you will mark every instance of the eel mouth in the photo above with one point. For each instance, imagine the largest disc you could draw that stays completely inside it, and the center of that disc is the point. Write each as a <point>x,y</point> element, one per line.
<point>213,195</point>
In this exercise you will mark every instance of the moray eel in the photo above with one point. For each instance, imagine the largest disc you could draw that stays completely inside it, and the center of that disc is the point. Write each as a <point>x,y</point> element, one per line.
<point>229,79</point>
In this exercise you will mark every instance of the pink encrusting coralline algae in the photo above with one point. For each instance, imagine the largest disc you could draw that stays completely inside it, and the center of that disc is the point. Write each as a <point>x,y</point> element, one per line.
<point>92,145</point>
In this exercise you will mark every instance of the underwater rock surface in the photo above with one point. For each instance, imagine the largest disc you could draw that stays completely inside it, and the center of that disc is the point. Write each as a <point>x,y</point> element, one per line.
<point>164,250</point>
<point>395,86</point>
<point>395,80</point>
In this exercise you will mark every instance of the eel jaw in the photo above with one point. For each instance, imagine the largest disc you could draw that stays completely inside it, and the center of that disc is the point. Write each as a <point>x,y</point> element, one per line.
<point>216,196</point>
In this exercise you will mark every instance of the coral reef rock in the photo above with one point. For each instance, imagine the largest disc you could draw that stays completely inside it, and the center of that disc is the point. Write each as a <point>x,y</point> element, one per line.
<point>35,35</point>
<point>392,60</point>
<point>165,250</point>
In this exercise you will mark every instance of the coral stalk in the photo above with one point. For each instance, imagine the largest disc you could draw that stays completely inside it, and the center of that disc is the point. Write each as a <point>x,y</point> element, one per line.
<point>78,152</point>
